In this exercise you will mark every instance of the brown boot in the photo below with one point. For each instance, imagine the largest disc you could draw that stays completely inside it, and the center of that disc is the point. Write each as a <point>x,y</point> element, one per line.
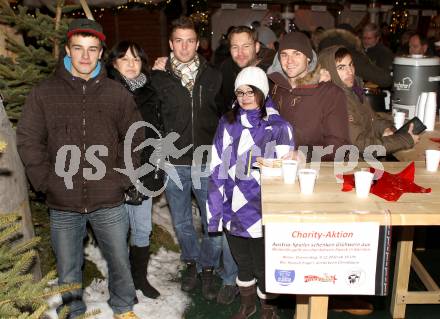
<point>247,302</point>
<point>268,309</point>
<point>268,306</point>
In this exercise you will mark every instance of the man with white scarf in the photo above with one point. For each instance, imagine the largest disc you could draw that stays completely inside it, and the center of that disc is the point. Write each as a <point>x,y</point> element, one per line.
<point>189,91</point>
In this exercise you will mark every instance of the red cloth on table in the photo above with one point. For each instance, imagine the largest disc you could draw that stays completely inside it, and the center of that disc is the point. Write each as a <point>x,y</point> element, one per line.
<point>390,186</point>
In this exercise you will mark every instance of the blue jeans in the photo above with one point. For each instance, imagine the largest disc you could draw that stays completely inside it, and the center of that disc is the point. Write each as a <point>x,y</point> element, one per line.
<point>229,271</point>
<point>140,223</point>
<point>207,252</point>
<point>110,226</point>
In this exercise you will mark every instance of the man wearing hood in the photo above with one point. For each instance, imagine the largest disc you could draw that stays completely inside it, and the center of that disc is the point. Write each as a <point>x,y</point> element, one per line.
<point>81,113</point>
<point>366,69</point>
<point>316,110</point>
<point>365,126</point>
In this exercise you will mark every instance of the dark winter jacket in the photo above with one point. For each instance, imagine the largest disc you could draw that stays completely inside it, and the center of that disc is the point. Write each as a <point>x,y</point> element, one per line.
<point>365,69</point>
<point>229,70</point>
<point>365,126</point>
<point>193,116</point>
<point>381,56</point>
<point>66,110</point>
<point>234,201</point>
<point>148,104</point>
<point>317,111</point>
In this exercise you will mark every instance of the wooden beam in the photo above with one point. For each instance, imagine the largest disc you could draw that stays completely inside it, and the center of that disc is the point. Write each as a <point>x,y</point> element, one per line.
<point>420,297</point>
<point>423,274</point>
<point>86,9</point>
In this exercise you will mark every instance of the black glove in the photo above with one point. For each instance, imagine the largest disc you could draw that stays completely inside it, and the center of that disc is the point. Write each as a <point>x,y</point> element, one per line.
<point>133,196</point>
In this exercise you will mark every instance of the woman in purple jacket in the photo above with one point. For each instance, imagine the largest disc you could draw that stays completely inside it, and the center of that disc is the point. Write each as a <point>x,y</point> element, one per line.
<point>250,130</point>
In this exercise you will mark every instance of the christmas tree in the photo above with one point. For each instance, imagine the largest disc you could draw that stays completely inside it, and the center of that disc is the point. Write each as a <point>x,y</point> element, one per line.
<point>20,296</point>
<point>32,63</point>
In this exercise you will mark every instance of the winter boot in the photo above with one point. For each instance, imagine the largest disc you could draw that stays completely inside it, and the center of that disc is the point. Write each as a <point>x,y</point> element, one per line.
<point>139,258</point>
<point>189,277</point>
<point>248,294</point>
<point>227,294</point>
<point>208,283</point>
<point>268,307</point>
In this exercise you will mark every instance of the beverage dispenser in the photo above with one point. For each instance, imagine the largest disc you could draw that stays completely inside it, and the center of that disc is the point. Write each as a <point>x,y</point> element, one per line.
<point>413,75</point>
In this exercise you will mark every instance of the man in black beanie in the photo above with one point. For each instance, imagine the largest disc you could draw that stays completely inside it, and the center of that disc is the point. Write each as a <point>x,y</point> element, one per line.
<point>317,111</point>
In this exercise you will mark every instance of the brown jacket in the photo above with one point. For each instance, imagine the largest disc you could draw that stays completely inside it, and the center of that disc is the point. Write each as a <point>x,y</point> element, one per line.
<point>365,126</point>
<point>317,112</point>
<point>66,110</point>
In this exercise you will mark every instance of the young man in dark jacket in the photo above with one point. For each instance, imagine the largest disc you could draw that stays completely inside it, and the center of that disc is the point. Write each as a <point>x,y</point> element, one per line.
<point>317,111</point>
<point>81,115</point>
<point>245,51</point>
<point>188,91</point>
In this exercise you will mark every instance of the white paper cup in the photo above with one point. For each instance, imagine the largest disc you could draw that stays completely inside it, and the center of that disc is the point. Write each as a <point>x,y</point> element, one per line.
<point>421,106</point>
<point>399,119</point>
<point>282,150</point>
<point>307,178</point>
<point>430,111</point>
<point>289,171</point>
<point>362,181</point>
<point>432,160</point>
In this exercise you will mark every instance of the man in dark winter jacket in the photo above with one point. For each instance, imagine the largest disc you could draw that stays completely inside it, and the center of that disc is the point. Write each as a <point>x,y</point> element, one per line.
<point>378,53</point>
<point>245,51</point>
<point>80,117</point>
<point>317,111</point>
<point>188,91</point>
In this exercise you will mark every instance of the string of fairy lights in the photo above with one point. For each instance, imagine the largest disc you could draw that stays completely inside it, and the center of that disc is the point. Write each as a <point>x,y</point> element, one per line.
<point>198,8</point>
<point>400,17</point>
<point>199,13</point>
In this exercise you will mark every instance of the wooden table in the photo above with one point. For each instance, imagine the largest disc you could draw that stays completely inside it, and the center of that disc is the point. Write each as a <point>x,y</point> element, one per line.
<point>284,203</point>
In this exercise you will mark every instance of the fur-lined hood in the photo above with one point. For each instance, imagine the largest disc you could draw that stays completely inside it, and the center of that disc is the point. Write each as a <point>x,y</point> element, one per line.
<point>326,59</point>
<point>338,37</point>
<point>277,75</point>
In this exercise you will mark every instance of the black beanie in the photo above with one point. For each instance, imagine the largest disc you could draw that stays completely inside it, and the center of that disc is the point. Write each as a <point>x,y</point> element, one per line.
<point>297,41</point>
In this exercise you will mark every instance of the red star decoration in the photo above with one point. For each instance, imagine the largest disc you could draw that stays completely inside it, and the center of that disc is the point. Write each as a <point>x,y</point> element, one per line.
<point>390,186</point>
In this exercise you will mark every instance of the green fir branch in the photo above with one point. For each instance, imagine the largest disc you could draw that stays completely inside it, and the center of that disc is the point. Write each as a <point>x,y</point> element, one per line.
<point>30,64</point>
<point>20,295</point>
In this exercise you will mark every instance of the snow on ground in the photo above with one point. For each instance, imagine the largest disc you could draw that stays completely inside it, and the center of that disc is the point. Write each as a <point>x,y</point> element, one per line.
<point>163,273</point>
